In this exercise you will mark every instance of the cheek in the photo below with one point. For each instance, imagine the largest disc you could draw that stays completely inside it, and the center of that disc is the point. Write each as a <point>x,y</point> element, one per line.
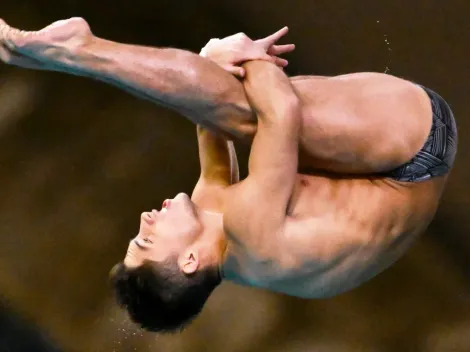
<point>146,228</point>
<point>174,220</point>
<point>165,247</point>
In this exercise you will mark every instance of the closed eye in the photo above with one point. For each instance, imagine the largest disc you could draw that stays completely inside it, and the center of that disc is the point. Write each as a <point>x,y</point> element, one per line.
<point>137,243</point>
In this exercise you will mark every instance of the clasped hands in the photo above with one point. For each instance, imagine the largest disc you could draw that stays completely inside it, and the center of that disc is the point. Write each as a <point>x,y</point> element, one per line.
<point>231,52</point>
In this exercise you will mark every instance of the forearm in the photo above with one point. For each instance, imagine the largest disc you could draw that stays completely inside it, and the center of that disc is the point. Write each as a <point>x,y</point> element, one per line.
<point>214,156</point>
<point>270,93</point>
<point>185,82</point>
<point>274,154</point>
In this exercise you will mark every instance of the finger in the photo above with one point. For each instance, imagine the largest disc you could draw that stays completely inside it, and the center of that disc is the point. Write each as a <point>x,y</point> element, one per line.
<point>269,58</point>
<point>273,38</point>
<point>281,49</point>
<point>254,54</point>
<point>280,61</point>
<point>235,70</point>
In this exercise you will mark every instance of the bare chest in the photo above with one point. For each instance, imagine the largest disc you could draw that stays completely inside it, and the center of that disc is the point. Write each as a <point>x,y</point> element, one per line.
<point>315,197</point>
<point>363,227</point>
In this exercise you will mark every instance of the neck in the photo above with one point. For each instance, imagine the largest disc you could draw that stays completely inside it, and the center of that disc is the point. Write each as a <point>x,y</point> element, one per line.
<point>215,238</point>
<point>227,257</point>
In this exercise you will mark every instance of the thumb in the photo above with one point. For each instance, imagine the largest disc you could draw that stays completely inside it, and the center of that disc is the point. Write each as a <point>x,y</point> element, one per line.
<point>235,70</point>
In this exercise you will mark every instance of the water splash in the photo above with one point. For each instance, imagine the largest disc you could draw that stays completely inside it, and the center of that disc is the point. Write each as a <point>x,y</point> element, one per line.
<point>126,330</point>
<point>389,50</point>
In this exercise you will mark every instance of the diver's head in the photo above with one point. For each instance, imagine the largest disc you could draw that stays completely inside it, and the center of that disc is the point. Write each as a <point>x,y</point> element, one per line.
<point>171,266</point>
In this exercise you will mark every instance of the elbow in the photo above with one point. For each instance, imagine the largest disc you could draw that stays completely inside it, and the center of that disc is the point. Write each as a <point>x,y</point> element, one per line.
<point>290,108</point>
<point>288,113</point>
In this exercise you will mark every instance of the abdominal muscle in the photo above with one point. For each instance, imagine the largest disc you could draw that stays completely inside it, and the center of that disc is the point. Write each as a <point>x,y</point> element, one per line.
<point>368,225</point>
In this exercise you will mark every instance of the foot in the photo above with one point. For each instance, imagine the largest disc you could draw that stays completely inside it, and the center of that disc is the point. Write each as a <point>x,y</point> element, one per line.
<point>48,48</point>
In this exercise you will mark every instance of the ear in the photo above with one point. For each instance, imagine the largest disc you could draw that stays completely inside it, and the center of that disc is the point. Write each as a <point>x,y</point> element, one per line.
<point>189,262</point>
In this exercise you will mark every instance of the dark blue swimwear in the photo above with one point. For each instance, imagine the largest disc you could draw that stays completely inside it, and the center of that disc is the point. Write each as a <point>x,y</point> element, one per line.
<point>438,154</point>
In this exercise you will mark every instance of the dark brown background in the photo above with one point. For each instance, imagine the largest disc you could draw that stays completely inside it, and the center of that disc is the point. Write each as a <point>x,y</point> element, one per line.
<point>79,161</point>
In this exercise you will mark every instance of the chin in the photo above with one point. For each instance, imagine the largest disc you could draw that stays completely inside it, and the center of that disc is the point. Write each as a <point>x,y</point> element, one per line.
<point>182,196</point>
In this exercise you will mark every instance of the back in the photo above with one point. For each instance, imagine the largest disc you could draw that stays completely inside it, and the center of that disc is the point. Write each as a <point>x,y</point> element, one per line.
<point>342,232</point>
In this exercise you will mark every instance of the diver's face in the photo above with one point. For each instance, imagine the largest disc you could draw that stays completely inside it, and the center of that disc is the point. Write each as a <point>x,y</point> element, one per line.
<point>164,233</point>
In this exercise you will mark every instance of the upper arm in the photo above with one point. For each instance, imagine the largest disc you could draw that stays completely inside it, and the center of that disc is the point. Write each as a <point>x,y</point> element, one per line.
<point>260,203</point>
<point>273,159</point>
<point>258,207</point>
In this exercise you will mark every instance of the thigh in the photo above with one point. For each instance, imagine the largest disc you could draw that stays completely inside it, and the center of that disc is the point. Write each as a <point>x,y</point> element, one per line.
<point>362,122</point>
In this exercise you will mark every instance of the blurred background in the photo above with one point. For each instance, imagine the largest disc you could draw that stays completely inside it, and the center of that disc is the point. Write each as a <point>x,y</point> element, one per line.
<point>79,162</point>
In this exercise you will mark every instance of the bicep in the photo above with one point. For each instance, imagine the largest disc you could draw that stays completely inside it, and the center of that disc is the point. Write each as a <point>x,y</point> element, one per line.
<point>257,211</point>
<point>260,203</point>
<point>249,220</point>
<point>258,208</point>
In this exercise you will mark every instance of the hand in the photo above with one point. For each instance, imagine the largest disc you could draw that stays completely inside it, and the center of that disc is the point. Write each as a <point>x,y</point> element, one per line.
<point>232,51</point>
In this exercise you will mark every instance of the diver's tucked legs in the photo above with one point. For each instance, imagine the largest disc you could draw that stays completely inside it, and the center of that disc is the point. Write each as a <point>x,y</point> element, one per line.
<point>347,120</point>
<point>177,79</point>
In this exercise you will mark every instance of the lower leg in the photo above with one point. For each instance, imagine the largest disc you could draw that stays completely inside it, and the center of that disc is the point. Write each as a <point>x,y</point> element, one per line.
<point>180,80</point>
<point>177,79</point>
<point>346,120</point>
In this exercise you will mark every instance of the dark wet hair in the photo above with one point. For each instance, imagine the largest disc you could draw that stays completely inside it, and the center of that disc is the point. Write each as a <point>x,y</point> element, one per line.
<point>160,297</point>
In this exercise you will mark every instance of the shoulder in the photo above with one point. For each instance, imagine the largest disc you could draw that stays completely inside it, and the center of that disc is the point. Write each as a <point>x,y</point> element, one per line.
<point>248,221</point>
<point>240,200</point>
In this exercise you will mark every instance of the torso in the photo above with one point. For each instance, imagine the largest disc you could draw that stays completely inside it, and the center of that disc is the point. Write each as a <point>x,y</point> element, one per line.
<point>371,222</point>
<point>368,223</point>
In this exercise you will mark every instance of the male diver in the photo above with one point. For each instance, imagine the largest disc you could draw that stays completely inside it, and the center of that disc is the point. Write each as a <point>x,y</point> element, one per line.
<point>315,221</point>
